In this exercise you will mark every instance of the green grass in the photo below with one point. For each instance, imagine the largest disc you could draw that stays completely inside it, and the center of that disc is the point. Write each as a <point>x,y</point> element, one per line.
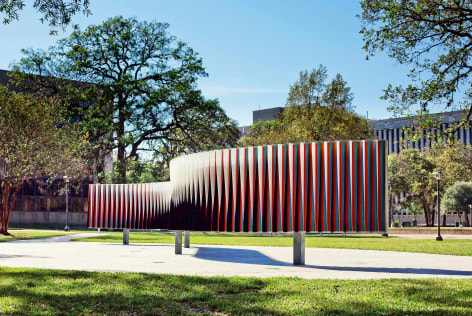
<point>457,247</point>
<point>51,292</point>
<point>31,234</point>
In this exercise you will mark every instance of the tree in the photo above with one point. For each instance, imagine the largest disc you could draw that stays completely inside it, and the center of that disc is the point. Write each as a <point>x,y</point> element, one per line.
<point>142,82</point>
<point>455,160</point>
<point>434,37</point>
<point>315,112</point>
<point>311,89</point>
<point>209,128</point>
<point>35,140</point>
<point>458,197</point>
<point>58,13</point>
<point>411,171</point>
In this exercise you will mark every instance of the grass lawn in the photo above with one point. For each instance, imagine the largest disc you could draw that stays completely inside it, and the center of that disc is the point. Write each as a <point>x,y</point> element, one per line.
<point>52,292</point>
<point>31,234</point>
<point>458,247</point>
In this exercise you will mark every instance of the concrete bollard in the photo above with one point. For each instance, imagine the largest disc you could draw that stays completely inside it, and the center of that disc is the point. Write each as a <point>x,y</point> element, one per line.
<point>178,242</point>
<point>125,236</point>
<point>299,248</point>
<point>186,239</point>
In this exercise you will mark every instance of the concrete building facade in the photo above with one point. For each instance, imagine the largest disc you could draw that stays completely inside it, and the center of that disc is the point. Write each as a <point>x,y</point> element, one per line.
<point>392,130</point>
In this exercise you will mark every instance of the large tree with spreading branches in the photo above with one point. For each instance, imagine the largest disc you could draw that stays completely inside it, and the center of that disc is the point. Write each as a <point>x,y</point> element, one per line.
<point>141,88</point>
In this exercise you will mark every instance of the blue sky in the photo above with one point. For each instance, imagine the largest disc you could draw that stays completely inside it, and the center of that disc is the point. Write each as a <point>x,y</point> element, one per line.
<point>252,50</point>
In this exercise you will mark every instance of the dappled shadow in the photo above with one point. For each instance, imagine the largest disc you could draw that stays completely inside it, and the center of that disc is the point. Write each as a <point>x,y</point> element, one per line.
<point>78,292</point>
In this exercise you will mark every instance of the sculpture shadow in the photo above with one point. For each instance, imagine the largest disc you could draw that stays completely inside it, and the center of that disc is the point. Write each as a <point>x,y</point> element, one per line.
<point>247,256</point>
<point>237,256</point>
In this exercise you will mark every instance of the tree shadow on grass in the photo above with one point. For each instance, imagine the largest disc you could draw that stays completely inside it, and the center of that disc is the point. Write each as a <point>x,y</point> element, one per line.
<point>33,291</point>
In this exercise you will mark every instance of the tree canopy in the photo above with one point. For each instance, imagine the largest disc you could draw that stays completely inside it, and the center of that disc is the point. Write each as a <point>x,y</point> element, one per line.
<point>455,160</point>
<point>411,171</point>
<point>57,13</point>
<point>434,37</point>
<point>141,88</point>
<point>315,111</point>
<point>458,197</point>
<point>35,140</point>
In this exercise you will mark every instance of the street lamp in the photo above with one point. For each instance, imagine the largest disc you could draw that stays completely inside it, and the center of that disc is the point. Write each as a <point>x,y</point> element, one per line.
<point>67,228</point>
<point>470,207</point>
<point>438,177</point>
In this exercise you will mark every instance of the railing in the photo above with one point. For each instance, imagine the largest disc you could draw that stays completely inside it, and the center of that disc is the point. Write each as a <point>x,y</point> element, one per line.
<point>49,204</point>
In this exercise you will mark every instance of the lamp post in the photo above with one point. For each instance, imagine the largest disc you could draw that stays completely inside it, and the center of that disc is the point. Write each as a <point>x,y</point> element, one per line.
<point>470,208</point>
<point>438,178</point>
<point>67,228</point>
<point>390,212</point>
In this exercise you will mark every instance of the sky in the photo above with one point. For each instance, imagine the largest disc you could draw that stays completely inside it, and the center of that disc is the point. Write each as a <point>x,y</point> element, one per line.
<point>252,50</point>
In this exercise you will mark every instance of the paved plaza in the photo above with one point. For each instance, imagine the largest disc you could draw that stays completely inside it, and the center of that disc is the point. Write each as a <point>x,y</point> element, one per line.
<point>210,260</point>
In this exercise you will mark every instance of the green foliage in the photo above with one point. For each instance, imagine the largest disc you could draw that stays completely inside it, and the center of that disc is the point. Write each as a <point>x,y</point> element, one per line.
<point>428,128</point>
<point>433,37</point>
<point>35,140</point>
<point>141,87</point>
<point>139,171</point>
<point>315,112</point>
<point>411,172</point>
<point>455,160</point>
<point>58,13</point>
<point>311,89</point>
<point>458,197</point>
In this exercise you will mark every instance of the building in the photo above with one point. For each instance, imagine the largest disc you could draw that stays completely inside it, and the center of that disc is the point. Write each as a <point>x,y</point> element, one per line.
<point>391,130</point>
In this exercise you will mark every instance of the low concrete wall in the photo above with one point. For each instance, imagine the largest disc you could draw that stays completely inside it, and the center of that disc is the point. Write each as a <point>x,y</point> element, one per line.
<point>27,219</point>
<point>450,219</point>
<point>429,231</point>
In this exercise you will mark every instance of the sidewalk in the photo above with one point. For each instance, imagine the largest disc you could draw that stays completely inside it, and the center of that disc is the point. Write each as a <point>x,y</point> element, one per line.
<point>206,260</point>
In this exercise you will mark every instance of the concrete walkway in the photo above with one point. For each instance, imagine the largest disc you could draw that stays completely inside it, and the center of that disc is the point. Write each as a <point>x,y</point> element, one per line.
<point>206,260</point>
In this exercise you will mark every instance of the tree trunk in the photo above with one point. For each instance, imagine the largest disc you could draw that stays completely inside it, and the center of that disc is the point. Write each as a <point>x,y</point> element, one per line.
<point>426,213</point>
<point>433,216</point>
<point>121,150</point>
<point>121,163</point>
<point>444,220</point>
<point>466,219</point>
<point>7,200</point>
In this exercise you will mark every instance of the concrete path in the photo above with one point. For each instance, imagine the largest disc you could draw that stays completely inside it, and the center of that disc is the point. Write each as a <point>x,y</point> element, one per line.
<point>206,260</point>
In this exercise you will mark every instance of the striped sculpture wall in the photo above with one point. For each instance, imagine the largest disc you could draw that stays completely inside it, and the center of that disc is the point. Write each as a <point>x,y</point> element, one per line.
<point>312,187</point>
<point>136,206</point>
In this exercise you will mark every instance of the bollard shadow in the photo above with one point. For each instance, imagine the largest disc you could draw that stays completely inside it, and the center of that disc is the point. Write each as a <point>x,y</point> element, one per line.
<point>247,256</point>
